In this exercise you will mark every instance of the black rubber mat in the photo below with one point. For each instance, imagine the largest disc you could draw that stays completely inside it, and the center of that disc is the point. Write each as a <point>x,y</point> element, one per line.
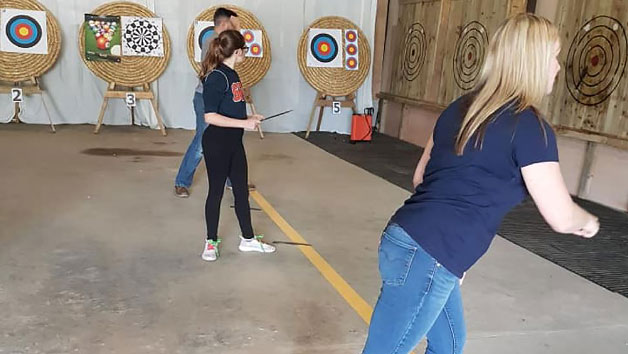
<point>602,260</point>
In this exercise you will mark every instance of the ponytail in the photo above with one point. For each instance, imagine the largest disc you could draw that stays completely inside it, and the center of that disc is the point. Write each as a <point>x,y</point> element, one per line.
<point>220,48</point>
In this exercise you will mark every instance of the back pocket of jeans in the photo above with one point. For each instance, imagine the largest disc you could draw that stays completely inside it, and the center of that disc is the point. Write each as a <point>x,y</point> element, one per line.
<point>395,259</point>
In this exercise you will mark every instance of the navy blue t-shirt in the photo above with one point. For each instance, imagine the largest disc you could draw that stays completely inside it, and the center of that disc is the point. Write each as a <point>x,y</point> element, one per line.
<point>223,94</point>
<point>456,211</point>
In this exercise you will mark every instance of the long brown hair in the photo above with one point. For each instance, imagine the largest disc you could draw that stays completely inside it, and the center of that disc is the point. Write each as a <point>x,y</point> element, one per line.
<point>221,47</point>
<point>516,70</point>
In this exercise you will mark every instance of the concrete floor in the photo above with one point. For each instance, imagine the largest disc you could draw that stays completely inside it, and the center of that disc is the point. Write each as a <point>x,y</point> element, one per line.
<point>98,256</point>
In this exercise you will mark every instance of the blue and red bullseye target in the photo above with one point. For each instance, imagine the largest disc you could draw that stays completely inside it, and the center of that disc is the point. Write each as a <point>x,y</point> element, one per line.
<point>23,31</point>
<point>324,48</point>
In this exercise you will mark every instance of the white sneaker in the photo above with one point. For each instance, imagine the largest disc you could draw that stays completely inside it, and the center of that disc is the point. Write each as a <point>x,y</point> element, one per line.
<point>210,252</point>
<point>255,245</point>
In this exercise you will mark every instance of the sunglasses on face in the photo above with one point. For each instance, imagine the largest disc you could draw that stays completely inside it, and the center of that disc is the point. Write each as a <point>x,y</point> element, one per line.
<point>245,49</point>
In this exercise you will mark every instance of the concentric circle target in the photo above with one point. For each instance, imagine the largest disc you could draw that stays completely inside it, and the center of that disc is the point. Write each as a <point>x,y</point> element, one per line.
<point>23,31</point>
<point>351,36</point>
<point>596,60</point>
<point>352,49</point>
<point>352,63</point>
<point>414,52</point>
<point>324,48</point>
<point>469,54</point>
<point>248,36</point>
<point>204,35</point>
<point>255,49</point>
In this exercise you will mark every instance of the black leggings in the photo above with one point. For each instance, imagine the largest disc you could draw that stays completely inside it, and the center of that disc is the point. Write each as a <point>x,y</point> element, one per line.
<point>225,157</point>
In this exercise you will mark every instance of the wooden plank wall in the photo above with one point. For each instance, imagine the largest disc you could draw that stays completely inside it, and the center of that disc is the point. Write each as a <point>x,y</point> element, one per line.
<point>416,48</point>
<point>471,24</point>
<point>600,51</point>
<point>442,22</point>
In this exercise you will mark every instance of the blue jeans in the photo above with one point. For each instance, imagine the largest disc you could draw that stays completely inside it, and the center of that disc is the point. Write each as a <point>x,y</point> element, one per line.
<point>194,154</point>
<point>419,297</point>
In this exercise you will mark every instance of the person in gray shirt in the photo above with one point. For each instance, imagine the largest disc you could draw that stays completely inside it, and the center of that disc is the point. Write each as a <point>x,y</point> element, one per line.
<point>224,19</point>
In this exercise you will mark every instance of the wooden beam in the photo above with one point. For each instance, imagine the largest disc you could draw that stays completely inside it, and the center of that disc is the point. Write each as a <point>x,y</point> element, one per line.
<point>140,95</point>
<point>381,27</point>
<point>516,7</point>
<point>585,175</point>
<point>411,101</point>
<point>607,139</point>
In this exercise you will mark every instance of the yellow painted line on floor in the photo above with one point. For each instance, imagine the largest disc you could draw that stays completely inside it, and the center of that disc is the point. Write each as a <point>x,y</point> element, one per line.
<point>345,290</point>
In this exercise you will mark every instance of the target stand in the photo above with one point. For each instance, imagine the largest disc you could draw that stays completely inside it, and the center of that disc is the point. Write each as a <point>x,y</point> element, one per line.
<point>249,100</point>
<point>323,100</point>
<point>116,91</point>
<point>30,87</point>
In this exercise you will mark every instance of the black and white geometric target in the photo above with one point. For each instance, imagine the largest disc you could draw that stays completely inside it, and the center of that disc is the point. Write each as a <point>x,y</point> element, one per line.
<point>596,60</point>
<point>469,54</point>
<point>142,37</point>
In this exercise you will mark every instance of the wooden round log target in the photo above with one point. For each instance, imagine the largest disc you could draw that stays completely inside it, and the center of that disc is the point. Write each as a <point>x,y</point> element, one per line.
<point>252,70</point>
<point>414,52</point>
<point>336,81</point>
<point>131,71</point>
<point>596,60</point>
<point>469,54</point>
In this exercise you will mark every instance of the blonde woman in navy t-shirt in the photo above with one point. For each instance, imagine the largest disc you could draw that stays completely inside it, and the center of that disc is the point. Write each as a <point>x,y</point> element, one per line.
<point>489,149</point>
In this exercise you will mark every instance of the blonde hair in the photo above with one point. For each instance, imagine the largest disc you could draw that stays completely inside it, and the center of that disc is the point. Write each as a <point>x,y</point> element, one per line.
<point>516,71</point>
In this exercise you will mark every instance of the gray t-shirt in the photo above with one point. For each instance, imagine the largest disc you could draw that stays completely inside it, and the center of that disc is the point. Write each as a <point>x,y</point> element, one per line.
<point>204,49</point>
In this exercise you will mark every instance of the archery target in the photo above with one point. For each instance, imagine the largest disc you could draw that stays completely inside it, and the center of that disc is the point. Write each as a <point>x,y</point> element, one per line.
<point>203,31</point>
<point>142,36</point>
<point>23,31</point>
<point>351,50</point>
<point>253,40</point>
<point>324,48</point>
<point>469,54</point>
<point>596,60</point>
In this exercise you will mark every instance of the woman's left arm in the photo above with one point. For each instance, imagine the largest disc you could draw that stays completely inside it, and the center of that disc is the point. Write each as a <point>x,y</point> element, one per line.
<point>425,158</point>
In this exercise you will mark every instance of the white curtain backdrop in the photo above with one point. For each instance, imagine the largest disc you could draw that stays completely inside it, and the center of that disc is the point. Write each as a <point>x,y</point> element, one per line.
<point>74,94</point>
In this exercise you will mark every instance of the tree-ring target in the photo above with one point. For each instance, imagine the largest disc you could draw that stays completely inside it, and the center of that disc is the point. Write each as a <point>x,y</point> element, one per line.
<point>469,54</point>
<point>596,60</point>
<point>414,52</point>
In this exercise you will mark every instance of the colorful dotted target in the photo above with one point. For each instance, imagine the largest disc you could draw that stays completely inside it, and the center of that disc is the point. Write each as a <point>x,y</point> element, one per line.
<point>23,31</point>
<point>352,49</point>
<point>352,63</point>
<point>469,54</point>
<point>414,52</point>
<point>255,49</point>
<point>248,36</point>
<point>205,34</point>
<point>324,48</point>
<point>596,60</point>
<point>351,36</point>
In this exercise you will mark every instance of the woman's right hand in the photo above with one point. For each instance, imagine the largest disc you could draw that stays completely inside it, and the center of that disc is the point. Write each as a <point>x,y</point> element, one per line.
<point>250,123</point>
<point>590,229</point>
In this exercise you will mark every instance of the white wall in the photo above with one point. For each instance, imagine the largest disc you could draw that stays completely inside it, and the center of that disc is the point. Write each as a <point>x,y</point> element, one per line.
<point>75,94</point>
